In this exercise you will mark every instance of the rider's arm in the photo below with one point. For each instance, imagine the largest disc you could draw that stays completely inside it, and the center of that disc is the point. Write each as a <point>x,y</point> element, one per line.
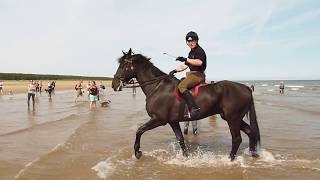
<point>194,62</point>
<point>182,67</point>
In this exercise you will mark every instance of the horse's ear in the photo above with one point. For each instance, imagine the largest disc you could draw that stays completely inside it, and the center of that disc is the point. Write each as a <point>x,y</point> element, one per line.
<point>130,52</point>
<point>123,52</point>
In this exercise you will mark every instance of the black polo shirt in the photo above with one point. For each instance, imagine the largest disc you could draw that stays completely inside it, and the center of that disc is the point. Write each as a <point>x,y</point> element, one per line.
<point>198,53</point>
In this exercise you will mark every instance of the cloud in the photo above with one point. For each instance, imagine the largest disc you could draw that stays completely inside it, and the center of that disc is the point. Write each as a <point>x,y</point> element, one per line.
<point>296,20</point>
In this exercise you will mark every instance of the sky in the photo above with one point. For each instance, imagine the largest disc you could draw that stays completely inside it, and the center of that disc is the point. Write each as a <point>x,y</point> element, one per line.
<point>243,39</point>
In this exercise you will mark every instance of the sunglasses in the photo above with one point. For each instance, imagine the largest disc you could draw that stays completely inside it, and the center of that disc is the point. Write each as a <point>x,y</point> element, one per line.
<point>191,41</point>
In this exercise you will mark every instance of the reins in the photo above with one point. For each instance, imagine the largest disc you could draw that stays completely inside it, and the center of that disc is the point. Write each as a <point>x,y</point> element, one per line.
<point>144,83</point>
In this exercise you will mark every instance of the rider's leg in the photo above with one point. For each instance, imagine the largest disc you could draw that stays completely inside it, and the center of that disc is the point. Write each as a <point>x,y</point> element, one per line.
<point>192,79</point>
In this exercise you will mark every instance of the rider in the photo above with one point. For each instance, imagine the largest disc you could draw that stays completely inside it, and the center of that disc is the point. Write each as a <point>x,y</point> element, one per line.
<point>197,64</point>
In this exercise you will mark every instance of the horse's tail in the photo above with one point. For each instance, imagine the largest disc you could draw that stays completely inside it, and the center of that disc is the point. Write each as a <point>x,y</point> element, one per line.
<point>253,122</point>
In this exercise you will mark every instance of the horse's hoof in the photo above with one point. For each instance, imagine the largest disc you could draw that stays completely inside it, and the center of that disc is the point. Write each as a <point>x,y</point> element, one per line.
<point>232,157</point>
<point>138,154</point>
<point>254,154</point>
<point>185,154</point>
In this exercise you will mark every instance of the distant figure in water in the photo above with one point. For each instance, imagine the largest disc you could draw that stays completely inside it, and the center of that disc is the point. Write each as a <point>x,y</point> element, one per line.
<point>78,87</point>
<point>1,88</point>
<point>53,84</point>
<point>134,91</point>
<point>93,94</point>
<point>281,87</point>
<point>194,127</point>
<point>102,89</point>
<point>252,87</point>
<point>31,93</point>
<point>49,90</point>
<point>10,92</point>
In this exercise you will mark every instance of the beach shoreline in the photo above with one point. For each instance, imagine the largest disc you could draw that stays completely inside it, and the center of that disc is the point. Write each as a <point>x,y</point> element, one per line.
<point>20,86</point>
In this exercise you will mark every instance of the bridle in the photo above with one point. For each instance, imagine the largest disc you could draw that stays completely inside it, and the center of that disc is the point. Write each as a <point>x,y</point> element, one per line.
<point>141,84</point>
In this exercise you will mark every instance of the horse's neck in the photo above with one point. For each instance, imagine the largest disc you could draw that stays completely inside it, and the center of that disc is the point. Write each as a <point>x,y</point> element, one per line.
<point>148,74</point>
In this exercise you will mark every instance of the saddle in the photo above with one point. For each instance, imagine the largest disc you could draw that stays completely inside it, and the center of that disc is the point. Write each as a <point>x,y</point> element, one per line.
<point>194,91</point>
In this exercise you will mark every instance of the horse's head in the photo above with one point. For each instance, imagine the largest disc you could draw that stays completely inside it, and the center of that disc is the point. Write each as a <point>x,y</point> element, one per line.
<point>125,71</point>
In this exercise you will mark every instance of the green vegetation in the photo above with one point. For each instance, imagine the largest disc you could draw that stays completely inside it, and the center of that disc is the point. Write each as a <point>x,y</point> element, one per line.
<point>20,76</point>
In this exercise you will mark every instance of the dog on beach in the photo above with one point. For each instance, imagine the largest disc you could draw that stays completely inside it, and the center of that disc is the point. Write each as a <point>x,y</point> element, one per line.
<point>105,103</point>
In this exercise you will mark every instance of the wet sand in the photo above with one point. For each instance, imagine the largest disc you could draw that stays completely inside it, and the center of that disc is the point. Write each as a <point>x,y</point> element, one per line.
<point>65,140</point>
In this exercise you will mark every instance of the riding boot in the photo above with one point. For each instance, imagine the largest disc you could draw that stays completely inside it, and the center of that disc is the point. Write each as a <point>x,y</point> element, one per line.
<point>193,108</point>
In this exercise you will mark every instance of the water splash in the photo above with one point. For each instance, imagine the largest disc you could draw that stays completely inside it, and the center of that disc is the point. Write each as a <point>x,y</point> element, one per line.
<point>104,168</point>
<point>200,158</point>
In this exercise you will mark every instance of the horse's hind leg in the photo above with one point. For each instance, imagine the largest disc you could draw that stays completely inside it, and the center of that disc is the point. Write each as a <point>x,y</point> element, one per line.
<point>151,124</point>
<point>252,138</point>
<point>177,131</point>
<point>234,126</point>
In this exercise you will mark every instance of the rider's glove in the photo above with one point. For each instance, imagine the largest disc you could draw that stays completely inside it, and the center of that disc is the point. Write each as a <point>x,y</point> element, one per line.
<point>182,59</point>
<point>171,73</point>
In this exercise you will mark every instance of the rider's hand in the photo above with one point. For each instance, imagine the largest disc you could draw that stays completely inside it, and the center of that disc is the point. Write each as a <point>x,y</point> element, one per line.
<point>182,59</point>
<point>171,73</point>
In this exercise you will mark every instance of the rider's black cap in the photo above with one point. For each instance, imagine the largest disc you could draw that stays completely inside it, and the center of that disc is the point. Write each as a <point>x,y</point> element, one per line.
<point>192,36</point>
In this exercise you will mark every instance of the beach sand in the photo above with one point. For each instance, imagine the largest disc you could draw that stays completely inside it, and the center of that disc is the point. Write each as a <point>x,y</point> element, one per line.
<point>21,86</point>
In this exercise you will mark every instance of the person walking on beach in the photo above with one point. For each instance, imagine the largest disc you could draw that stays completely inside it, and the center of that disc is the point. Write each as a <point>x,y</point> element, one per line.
<point>1,87</point>
<point>281,87</point>
<point>102,88</point>
<point>37,87</point>
<point>93,95</point>
<point>134,91</point>
<point>53,85</point>
<point>252,87</point>
<point>49,89</point>
<point>40,86</point>
<point>31,93</point>
<point>78,89</point>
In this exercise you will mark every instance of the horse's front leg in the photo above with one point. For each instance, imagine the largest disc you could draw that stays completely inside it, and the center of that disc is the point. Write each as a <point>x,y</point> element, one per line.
<point>177,131</point>
<point>151,124</point>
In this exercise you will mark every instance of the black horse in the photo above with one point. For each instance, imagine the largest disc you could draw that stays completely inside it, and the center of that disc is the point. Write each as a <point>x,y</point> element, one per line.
<point>229,99</point>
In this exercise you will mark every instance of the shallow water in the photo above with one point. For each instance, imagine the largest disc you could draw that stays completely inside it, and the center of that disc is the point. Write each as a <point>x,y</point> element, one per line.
<point>65,140</point>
